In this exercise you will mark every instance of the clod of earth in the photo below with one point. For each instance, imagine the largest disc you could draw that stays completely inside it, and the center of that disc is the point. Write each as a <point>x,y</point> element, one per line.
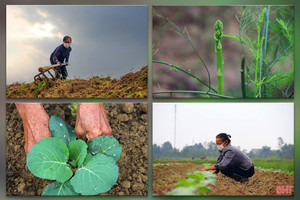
<point>131,85</point>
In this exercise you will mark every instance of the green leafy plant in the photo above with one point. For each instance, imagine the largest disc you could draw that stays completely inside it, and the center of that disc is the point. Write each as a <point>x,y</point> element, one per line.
<point>74,108</point>
<point>56,157</point>
<point>197,183</point>
<point>264,74</point>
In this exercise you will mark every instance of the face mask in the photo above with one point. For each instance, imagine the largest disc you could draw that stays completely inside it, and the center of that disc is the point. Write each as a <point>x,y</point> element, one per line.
<point>67,45</point>
<point>220,147</point>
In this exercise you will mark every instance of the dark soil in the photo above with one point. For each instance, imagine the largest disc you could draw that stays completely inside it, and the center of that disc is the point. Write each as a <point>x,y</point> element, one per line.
<point>129,126</point>
<point>261,184</point>
<point>131,85</point>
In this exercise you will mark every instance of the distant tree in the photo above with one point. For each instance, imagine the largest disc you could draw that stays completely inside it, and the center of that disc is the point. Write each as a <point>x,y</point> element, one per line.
<point>265,152</point>
<point>157,152</point>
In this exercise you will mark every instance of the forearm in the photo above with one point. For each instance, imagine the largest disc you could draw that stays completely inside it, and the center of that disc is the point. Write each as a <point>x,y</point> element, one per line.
<point>209,168</point>
<point>35,122</point>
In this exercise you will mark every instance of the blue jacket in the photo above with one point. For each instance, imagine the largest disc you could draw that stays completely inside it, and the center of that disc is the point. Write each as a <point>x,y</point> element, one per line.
<point>60,53</point>
<point>233,157</point>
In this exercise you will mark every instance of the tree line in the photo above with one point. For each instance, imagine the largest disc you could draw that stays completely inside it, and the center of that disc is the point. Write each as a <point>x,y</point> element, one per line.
<point>209,149</point>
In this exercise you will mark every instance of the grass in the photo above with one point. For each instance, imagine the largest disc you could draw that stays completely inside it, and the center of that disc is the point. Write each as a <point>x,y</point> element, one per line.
<point>274,163</point>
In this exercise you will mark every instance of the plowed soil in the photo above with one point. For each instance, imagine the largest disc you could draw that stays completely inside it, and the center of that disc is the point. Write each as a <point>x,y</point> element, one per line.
<point>261,184</point>
<point>129,126</point>
<point>131,85</point>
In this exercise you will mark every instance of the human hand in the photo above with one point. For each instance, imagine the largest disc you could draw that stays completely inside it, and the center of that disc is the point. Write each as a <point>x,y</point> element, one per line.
<point>215,171</point>
<point>91,121</point>
<point>35,123</point>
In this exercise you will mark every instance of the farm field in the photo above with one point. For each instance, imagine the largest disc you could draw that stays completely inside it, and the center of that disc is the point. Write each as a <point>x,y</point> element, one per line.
<point>131,85</point>
<point>166,174</point>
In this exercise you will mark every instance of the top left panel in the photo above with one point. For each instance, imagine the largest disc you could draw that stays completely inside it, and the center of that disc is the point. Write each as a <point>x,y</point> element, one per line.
<point>68,51</point>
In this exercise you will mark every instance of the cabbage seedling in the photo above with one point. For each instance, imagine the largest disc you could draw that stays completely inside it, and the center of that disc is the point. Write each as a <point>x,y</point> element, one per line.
<point>54,157</point>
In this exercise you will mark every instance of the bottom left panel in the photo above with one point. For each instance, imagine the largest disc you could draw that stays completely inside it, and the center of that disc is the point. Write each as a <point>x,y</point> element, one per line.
<point>76,149</point>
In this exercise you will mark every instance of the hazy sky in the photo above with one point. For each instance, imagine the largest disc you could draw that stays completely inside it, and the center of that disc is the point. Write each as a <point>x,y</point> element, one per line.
<point>251,125</point>
<point>107,40</point>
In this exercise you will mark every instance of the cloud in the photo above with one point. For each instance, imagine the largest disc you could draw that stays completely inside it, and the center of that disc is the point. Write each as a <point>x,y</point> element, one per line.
<point>106,40</point>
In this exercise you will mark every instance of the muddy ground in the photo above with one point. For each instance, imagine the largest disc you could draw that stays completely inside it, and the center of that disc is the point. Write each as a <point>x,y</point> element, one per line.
<point>262,183</point>
<point>129,127</point>
<point>131,85</point>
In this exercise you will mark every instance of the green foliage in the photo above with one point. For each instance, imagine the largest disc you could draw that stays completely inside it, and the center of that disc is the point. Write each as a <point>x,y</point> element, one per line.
<point>62,130</point>
<point>209,150</point>
<point>98,174</point>
<point>59,189</point>
<point>106,145</point>
<point>40,86</point>
<point>78,151</point>
<point>48,159</point>
<point>74,108</point>
<point>274,170</point>
<point>51,158</point>
<point>274,163</point>
<point>266,37</point>
<point>197,183</point>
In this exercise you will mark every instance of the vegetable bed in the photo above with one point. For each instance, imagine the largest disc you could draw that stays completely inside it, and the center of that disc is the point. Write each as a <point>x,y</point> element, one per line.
<point>129,125</point>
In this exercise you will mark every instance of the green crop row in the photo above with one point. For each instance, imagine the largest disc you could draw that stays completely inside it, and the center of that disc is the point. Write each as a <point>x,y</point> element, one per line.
<point>197,183</point>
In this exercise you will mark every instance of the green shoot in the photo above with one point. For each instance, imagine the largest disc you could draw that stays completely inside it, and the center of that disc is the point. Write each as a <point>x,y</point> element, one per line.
<point>218,49</point>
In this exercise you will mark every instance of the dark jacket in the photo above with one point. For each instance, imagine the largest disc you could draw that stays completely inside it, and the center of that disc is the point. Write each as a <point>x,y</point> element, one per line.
<point>60,53</point>
<point>233,157</point>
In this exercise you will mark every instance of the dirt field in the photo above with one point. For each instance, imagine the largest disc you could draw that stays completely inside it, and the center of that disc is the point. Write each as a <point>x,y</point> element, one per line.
<point>131,85</point>
<point>129,127</point>
<point>262,183</point>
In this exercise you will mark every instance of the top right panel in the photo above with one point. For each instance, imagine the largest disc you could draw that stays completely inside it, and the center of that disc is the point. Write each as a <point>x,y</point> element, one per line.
<point>223,51</point>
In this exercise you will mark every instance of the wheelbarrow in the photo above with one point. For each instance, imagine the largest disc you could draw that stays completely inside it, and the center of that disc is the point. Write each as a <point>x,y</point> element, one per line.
<point>47,70</point>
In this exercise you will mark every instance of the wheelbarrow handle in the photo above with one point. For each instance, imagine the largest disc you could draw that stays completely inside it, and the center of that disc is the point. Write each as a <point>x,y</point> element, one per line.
<point>41,69</point>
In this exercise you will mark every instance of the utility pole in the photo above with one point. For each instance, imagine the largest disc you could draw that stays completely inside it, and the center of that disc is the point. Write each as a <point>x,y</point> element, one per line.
<point>175,128</point>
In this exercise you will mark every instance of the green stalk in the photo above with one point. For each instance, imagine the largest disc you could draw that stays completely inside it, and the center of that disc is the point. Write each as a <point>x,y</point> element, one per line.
<point>187,72</point>
<point>243,83</point>
<point>257,57</point>
<point>218,49</point>
<point>192,92</point>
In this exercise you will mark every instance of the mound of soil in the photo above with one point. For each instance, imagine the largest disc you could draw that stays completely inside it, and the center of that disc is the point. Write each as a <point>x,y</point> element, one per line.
<point>165,176</point>
<point>129,126</point>
<point>132,85</point>
<point>261,184</point>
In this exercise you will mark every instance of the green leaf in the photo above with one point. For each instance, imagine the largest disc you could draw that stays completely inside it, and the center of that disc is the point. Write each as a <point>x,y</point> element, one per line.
<point>105,144</point>
<point>59,189</point>
<point>197,177</point>
<point>62,130</point>
<point>183,191</point>
<point>97,174</point>
<point>78,151</point>
<point>48,159</point>
<point>204,190</point>
<point>185,183</point>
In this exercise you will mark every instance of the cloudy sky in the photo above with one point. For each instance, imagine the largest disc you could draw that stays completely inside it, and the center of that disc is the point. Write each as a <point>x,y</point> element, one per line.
<point>251,125</point>
<point>107,40</point>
